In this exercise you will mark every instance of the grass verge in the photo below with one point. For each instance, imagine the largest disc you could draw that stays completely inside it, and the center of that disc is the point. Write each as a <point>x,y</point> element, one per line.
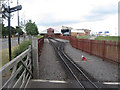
<point>5,55</point>
<point>16,50</point>
<point>38,36</point>
<point>83,37</point>
<point>109,38</point>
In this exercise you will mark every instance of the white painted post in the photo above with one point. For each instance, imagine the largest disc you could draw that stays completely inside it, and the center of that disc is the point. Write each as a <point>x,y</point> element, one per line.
<point>35,58</point>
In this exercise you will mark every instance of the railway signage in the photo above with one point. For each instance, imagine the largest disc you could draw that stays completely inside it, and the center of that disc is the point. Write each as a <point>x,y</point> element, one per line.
<point>6,11</point>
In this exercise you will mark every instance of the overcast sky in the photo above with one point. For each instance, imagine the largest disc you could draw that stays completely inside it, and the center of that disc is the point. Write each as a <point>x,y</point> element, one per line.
<point>97,15</point>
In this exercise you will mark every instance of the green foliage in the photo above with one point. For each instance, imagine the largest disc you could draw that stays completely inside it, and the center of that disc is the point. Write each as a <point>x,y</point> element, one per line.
<point>31,28</point>
<point>22,47</point>
<point>19,29</point>
<point>16,50</point>
<point>5,54</point>
<point>0,30</point>
<point>83,37</point>
<point>110,38</point>
<point>4,30</point>
<point>13,30</point>
<point>38,36</point>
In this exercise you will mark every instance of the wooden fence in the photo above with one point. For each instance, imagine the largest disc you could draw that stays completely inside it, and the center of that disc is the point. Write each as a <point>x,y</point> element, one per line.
<point>107,50</point>
<point>40,45</point>
<point>19,69</point>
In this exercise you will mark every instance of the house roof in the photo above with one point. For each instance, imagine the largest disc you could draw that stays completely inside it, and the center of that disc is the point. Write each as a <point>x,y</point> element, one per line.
<point>77,30</point>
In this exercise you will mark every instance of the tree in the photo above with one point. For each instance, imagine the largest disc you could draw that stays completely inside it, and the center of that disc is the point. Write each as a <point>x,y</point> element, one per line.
<point>19,29</point>
<point>31,28</point>
<point>4,31</point>
<point>13,30</point>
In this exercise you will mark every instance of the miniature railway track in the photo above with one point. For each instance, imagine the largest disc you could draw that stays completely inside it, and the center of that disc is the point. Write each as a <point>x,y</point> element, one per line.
<point>80,77</point>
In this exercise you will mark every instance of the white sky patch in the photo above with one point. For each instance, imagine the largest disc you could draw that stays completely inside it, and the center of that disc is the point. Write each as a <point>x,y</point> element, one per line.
<point>97,15</point>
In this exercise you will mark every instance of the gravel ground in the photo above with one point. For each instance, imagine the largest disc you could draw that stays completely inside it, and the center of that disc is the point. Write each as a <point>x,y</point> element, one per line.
<point>101,71</point>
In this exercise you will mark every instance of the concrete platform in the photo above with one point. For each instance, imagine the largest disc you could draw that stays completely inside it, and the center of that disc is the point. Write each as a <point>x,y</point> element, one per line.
<point>47,84</point>
<point>102,71</point>
<point>52,74</point>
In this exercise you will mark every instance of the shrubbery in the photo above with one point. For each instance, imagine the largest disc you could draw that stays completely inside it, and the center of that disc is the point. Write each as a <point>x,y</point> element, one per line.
<point>83,37</point>
<point>21,48</point>
<point>38,36</point>
<point>110,38</point>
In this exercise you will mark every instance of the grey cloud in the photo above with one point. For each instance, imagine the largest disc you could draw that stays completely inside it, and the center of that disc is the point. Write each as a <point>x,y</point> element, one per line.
<point>100,12</point>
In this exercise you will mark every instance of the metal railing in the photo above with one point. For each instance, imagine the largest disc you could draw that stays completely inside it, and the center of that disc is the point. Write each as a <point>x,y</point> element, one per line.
<point>19,69</point>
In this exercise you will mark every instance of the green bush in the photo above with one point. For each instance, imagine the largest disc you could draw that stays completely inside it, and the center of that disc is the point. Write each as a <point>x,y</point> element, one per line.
<point>83,37</point>
<point>110,38</point>
<point>38,36</point>
<point>21,48</point>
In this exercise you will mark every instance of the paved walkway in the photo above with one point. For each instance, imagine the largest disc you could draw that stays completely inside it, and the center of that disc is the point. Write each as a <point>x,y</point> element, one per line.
<point>101,70</point>
<point>52,74</point>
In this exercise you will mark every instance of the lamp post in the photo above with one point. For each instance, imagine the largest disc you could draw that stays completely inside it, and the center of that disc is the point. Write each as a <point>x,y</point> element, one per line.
<point>7,11</point>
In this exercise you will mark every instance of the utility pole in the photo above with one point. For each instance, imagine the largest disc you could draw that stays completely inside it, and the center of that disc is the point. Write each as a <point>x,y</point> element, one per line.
<point>18,25</point>
<point>9,32</point>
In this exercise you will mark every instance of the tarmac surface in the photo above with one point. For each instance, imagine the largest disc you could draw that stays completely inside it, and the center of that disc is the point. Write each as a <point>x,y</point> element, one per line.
<point>104,72</point>
<point>100,70</point>
<point>52,74</point>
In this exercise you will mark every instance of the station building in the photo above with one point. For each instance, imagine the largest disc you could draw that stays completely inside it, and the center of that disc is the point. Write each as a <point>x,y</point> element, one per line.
<point>50,32</point>
<point>68,31</point>
<point>80,32</point>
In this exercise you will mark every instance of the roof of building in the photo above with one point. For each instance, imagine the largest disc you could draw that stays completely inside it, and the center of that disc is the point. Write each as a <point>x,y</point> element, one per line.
<point>50,29</point>
<point>45,31</point>
<point>77,30</point>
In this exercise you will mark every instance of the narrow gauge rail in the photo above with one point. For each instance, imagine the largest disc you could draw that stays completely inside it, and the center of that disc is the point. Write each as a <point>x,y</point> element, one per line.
<point>82,79</point>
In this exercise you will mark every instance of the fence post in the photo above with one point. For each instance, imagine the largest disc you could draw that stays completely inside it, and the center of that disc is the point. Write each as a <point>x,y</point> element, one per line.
<point>90,47</point>
<point>103,54</point>
<point>35,58</point>
<point>76,42</point>
<point>82,45</point>
<point>70,40</point>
